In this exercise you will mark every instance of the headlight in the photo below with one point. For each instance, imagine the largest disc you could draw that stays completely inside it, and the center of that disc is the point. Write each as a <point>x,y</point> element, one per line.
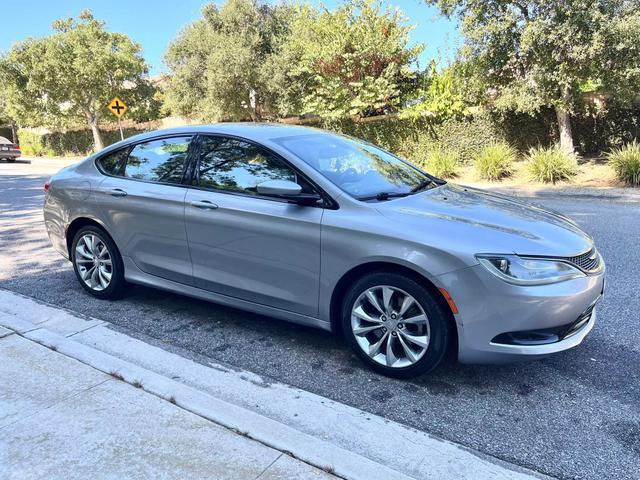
<point>528,271</point>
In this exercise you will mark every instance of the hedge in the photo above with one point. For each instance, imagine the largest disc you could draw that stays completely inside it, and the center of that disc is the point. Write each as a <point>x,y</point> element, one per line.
<point>594,133</point>
<point>70,142</point>
<point>408,138</point>
<point>463,137</point>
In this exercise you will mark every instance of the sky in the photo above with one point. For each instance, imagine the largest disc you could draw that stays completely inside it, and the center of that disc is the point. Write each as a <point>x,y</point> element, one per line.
<point>153,24</point>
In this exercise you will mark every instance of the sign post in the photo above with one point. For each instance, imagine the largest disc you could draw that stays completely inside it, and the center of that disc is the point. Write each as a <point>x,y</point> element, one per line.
<point>118,108</point>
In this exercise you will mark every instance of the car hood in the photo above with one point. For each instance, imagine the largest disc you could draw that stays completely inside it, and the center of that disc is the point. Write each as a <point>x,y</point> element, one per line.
<point>487,222</point>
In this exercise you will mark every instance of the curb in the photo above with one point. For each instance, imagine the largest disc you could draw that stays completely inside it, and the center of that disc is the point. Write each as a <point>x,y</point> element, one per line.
<point>335,438</point>
<point>311,450</point>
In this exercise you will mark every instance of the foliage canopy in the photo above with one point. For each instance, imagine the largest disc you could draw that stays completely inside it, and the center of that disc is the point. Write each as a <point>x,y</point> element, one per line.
<point>536,53</point>
<point>354,60</point>
<point>69,77</point>
<point>225,66</point>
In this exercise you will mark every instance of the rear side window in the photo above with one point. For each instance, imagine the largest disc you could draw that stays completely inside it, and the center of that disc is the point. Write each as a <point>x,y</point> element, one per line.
<point>158,160</point>
<point>112,163</point>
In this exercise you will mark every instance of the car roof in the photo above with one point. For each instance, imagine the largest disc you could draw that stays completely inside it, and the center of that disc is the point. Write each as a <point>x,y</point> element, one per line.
<point>249,130</point>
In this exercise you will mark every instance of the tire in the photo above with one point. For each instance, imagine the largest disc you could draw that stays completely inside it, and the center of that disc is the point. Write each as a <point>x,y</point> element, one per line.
<point>11,160</point>
<point>97,285</point>
<point>407,359</point>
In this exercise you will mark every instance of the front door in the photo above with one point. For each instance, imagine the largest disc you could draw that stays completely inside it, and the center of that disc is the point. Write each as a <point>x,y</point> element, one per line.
<point>245,245</point>
<point>143,206</point>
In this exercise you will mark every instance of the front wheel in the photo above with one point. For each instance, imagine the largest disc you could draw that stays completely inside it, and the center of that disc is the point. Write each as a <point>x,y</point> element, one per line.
<point>395,325</point>
<point>97,263</point>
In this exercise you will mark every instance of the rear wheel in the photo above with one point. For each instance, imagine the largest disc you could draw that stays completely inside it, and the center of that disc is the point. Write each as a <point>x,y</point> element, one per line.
<point>395,325</point>
<point>97,263</point>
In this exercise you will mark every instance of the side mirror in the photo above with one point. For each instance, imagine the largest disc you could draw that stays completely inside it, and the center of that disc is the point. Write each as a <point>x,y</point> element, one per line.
<point>279,188</point>
<point>287,190</point>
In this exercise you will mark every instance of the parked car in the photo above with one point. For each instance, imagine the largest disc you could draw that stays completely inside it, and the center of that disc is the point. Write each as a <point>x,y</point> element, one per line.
<point>9,151</point>
<point>331,232</point>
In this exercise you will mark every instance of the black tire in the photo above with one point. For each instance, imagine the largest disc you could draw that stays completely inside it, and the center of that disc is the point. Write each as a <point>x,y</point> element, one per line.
<point>438,323</point>
<point>10,160</point>
<point>116,286</point>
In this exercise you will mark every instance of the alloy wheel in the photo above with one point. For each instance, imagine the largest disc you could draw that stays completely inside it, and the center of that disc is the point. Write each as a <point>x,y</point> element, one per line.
<point>390,326</point>
<point>93,261</point>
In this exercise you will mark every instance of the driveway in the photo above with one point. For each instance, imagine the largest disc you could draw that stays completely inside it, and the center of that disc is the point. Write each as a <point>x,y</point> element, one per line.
<point>574,415</point>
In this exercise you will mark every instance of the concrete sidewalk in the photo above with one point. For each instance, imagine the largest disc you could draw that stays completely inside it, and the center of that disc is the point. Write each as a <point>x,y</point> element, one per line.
<point>62,419</point>
<point>79,398</point>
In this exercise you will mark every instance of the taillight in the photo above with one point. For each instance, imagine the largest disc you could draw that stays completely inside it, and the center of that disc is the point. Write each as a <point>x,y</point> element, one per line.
<point>17,147</point>
<point>46,186</point>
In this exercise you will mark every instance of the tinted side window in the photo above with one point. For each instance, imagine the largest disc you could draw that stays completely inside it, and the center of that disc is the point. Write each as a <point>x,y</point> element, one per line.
<point>237,166</point>
<point>158,160</point>
<point>112,163</point>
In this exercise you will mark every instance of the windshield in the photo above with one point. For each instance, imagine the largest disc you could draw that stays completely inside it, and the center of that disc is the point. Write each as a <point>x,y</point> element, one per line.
<point>358,168</point>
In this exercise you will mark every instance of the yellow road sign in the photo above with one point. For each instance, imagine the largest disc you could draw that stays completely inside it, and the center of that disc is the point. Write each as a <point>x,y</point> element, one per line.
<point>117,107</point>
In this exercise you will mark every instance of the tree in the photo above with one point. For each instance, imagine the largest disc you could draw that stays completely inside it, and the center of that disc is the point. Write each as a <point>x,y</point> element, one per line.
<point>69,77</point>
<point>535,53</point>
<point>225,65</point>
<point>354,60</point>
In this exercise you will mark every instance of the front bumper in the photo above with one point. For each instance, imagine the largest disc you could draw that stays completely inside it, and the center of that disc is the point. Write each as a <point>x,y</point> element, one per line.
<point>491,310</point>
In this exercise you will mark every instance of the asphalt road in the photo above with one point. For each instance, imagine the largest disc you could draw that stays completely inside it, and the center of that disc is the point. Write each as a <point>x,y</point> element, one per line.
<point>574,415</point>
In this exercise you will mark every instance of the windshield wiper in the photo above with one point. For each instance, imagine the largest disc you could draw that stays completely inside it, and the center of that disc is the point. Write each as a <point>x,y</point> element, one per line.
<point>422,185</point>
<point>384,196</point>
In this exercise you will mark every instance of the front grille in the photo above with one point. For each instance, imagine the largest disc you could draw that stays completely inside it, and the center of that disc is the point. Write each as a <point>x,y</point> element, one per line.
<point>587,262</point>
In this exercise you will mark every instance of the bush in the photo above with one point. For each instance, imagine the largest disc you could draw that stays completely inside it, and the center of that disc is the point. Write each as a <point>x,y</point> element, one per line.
<point>495,161</point>
<point>626,162</point>
<point>552,164</point>
<point>441,163</point>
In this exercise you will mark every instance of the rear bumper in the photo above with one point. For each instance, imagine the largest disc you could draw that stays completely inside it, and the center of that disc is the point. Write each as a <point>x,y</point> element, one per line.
<point>492,313</point>
<point>9,154</point>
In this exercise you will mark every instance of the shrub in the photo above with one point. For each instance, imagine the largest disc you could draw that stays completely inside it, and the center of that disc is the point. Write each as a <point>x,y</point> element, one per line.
<point>552,164</point>
<point>441,163</point>
<point>495,161</point>
<point>626,162</point>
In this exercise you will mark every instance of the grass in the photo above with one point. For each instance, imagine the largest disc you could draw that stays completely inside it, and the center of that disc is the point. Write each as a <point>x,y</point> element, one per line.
<point>552,164</point>
<point>442,163</point>
<point>626,163</point>
<point>495,161</point>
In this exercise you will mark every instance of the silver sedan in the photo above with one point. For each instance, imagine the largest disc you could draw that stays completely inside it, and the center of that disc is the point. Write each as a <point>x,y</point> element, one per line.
<point>332,232</point>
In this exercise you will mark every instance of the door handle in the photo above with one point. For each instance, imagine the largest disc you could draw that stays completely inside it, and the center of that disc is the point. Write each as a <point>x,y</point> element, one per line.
<point>204,205</point>
<point>117,192</point>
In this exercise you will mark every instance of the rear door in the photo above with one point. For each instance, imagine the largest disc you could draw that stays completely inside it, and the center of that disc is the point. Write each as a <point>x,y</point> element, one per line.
<point>142,200</point>
<point>247,246</point>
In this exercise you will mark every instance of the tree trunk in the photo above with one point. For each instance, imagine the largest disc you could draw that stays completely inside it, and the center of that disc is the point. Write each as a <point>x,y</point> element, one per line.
<point>92,121</point>
<point>97,137</point>
<point>564,127</point>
